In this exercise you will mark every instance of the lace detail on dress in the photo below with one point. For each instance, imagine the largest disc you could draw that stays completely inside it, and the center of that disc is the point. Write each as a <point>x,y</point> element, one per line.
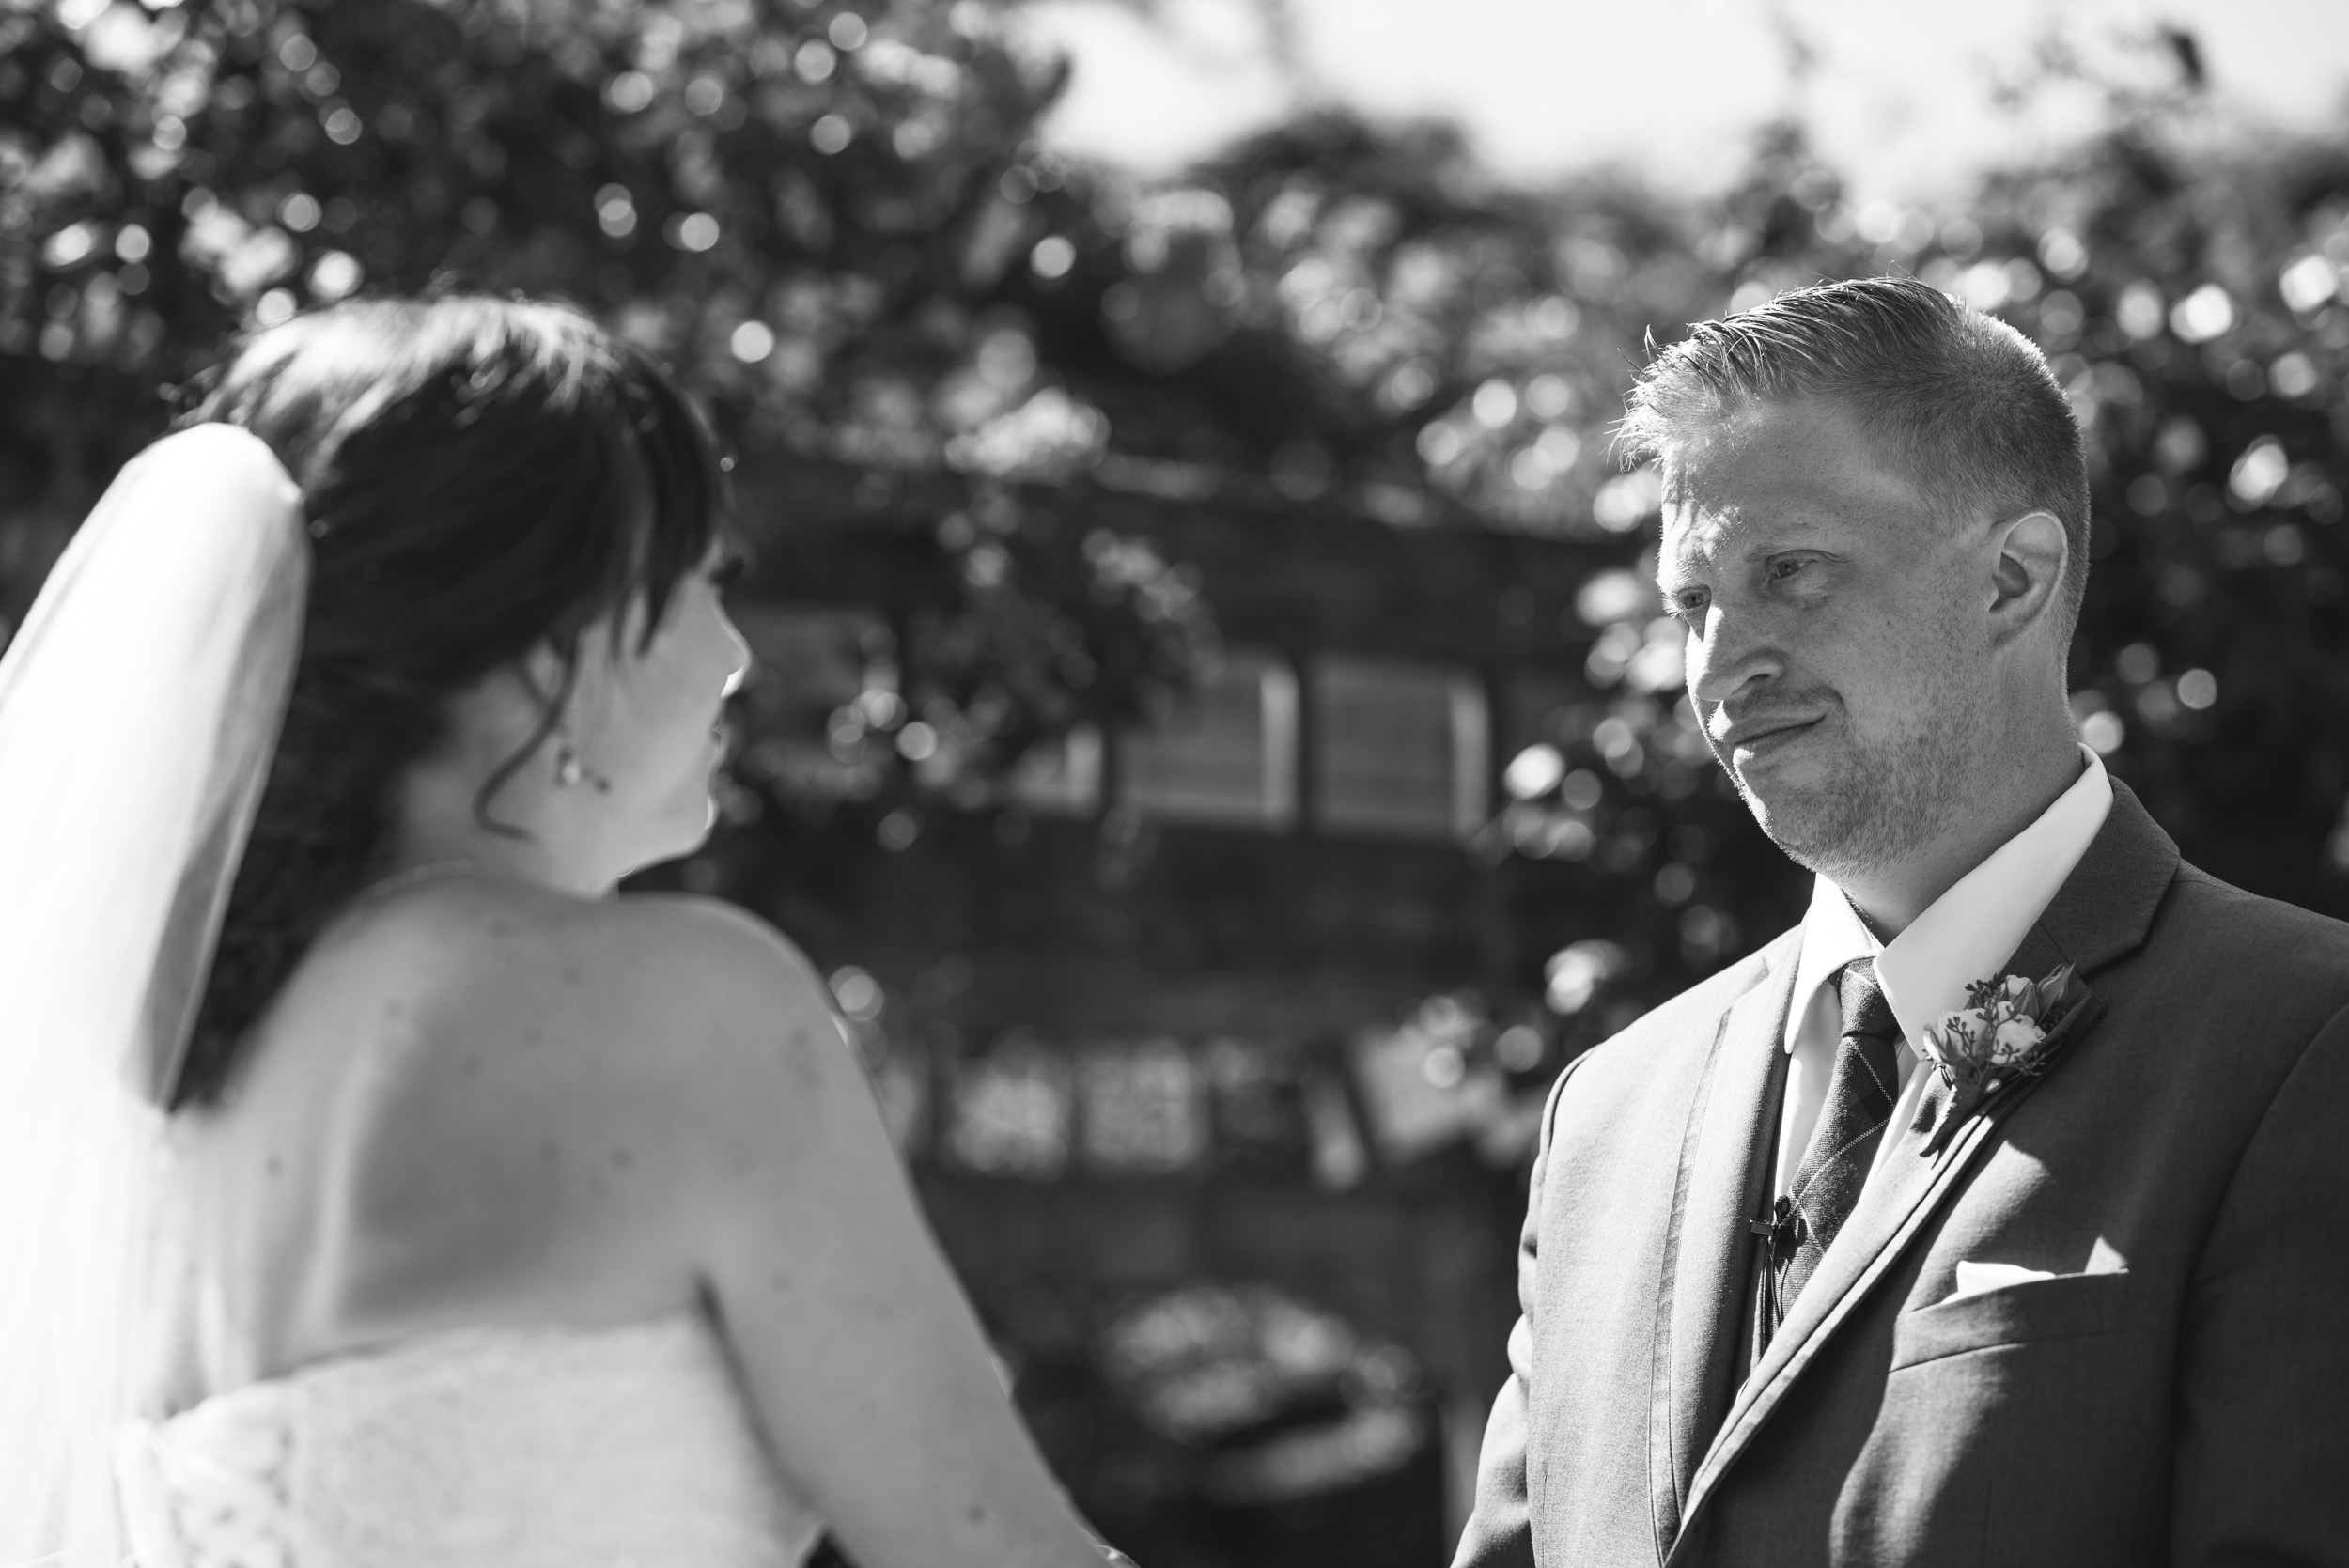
<point>513,1448</point>
<point>214,1495</point>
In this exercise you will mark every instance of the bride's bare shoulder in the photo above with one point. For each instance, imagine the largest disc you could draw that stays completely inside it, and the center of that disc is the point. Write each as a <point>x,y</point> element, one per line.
<point>472,1001</point>
<point>471,951</point>
<point>555,1072</point>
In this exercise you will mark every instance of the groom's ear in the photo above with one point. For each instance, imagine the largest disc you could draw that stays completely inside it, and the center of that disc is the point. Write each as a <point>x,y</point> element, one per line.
<point>2026,573</point>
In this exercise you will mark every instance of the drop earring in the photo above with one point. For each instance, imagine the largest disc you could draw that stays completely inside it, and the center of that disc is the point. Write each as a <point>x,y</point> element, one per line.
<point>570,772</point>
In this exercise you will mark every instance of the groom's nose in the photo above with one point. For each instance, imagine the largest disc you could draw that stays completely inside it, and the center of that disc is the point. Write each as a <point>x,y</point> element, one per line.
<point>1731,655</point>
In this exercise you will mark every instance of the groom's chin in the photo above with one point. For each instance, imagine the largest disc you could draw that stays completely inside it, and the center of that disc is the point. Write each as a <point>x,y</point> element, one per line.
<point>1806,825</point>
<point>1784,798</point>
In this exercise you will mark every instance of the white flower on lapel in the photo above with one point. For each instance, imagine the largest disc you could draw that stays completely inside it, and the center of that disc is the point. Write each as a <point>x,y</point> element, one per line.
<point>2015,1041</point>
<point>2008,1030</point>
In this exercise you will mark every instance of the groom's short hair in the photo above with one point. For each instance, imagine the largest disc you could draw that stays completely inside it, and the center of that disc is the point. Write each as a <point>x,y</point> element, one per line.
<point>1959,403</point>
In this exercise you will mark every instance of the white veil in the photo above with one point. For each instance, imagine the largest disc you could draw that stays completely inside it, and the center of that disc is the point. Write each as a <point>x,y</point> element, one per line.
<point>139,709</point>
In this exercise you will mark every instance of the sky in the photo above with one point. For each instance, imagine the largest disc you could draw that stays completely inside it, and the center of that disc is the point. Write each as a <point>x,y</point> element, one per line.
<point>1898,96</point>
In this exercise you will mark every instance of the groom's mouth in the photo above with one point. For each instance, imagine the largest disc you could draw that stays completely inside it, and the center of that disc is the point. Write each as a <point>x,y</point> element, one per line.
<point>1751,738</point>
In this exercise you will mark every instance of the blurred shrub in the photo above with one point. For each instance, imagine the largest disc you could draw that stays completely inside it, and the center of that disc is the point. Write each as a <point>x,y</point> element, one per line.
<point>810,209</point>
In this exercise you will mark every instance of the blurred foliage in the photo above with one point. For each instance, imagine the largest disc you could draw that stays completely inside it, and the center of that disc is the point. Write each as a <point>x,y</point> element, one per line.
<point>807,209</point>
<point>837,222</point>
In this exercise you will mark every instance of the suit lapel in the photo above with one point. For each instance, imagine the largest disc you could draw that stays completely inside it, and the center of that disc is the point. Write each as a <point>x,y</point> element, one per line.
<point>2102,912</point>
<point>2106,907</point>
<point>1724,1169</point>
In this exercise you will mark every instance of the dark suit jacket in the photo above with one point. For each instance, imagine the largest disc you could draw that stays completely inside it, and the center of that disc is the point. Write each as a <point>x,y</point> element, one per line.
<point>2179,1392</point>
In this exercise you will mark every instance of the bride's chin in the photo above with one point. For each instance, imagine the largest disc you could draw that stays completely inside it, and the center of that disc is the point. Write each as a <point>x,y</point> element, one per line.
<point>699,822</point>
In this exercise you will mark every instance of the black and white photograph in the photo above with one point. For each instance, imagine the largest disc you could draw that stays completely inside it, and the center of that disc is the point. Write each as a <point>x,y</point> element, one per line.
<point>1178,783</point>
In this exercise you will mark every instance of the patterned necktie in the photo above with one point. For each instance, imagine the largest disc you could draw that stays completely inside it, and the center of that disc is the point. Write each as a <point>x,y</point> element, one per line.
<point>1861,1090</point>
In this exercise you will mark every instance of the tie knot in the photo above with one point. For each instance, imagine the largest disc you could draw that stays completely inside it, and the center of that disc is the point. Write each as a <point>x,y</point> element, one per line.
<point>1865,1011</point>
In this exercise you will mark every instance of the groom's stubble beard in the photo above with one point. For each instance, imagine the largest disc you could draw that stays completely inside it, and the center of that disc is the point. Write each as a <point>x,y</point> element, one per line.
<point>1884,795</point>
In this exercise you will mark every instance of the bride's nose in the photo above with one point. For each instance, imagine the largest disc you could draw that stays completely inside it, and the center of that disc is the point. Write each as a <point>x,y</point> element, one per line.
<point>741,658</point>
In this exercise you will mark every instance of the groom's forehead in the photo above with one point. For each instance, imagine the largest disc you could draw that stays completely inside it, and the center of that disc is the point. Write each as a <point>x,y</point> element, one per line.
<point>1752,448</point>
<point>1783,477</point>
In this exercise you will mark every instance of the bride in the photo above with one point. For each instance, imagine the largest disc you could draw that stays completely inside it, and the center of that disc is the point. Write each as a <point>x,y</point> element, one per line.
<point>376,1188</point>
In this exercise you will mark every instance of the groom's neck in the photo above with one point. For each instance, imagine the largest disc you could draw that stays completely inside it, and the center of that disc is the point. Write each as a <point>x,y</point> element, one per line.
<point>1890,896</point>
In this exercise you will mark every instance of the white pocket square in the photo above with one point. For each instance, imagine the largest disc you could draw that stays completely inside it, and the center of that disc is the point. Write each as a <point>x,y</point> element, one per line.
<point>1973,1279</point>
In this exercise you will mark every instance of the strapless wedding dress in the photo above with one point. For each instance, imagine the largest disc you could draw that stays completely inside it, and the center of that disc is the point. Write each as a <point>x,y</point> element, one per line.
<point>529,1447</point>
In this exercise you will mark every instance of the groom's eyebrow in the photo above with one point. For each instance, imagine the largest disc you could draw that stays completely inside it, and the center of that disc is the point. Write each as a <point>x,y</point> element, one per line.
<point>1676,569</point>
<point>1713,537</point>
<point>1669,575</point>
<point>1743,542</point>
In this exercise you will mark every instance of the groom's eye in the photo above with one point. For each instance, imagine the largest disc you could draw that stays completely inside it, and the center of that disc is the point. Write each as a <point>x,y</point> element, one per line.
<point>1689,604</point>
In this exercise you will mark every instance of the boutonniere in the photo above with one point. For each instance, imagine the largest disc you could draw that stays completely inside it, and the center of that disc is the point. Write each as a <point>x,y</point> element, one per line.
<point>2008,1029</point>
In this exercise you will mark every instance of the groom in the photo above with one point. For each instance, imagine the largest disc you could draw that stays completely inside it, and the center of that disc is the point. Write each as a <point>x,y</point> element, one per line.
<point>1788,1297</point>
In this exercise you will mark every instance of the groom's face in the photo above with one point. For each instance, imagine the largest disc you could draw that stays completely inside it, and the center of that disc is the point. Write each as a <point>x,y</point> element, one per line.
<point>1831,655</point>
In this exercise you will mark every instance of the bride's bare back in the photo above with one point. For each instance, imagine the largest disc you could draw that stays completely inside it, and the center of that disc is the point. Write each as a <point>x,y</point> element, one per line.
<point>485,1105</point>
<point>445,1120</point>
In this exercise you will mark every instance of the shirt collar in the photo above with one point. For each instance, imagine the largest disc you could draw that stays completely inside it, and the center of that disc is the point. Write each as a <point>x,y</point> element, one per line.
<point>1967,933</point>
<point>1832,936</point>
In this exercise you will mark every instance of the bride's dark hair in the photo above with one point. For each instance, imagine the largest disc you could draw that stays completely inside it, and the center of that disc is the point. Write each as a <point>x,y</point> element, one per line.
<point>480,476</point>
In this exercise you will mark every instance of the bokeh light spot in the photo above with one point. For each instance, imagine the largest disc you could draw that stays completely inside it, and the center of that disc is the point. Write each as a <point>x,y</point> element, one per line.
<point>2294,375</point>
<point>1053,257</point>
<point>752,342</point>
<point>1495,404</point>
<point>815,61</point>
<point>2061,252</point>
<point>830,134</point>
<point>1519,1047</point>
<point>629,92</point>
<point>2140,309</point>
<point>1535,771</point>
<point>2103,733</point>
<point>858,993</point>
<point>2309,283</point>
<point>616,211</point>
<point>2203,314</point>
<point>334,274</point>
<point>2260,472</point>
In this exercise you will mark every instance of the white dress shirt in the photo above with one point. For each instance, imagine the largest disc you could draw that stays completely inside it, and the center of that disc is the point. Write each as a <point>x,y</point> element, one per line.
<point>1966,935</point>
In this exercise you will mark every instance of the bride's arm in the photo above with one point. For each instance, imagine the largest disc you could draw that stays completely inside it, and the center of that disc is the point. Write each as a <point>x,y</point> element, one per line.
<point>864,1360</point>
